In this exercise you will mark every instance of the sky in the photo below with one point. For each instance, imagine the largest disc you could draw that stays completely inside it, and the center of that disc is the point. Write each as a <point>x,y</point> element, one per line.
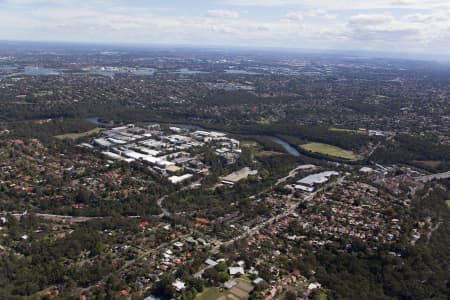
<point>409,26</point>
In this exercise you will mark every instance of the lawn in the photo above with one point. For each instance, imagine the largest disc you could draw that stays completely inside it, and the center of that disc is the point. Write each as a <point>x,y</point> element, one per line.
<point>346,130</point>
<point>321,296</point>
<point>43,94</point>
<point>75,136</point>
<point>329,150</point>
<point>263,121</point>
<point>215,294</point>
<point>428,163</point>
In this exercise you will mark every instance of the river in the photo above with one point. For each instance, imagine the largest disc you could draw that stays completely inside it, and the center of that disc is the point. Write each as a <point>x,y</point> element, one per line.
<point>287,147</point>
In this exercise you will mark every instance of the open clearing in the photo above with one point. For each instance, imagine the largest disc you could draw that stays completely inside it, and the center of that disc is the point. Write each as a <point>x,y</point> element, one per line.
<point>75,136</point>
<point>215,294</point>
<point>329,150</point>
<point>43,94</point>
<point>346,130</point>
<point>321,296</point>
<point>240,291</point>
<point>263,121</point>
<point>428,163</point>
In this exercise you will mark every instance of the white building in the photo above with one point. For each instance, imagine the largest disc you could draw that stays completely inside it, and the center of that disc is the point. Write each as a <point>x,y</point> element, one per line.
<point>236,270</point>
<point>179,285</point>
<point>317,178</point>
<point>179,179</point>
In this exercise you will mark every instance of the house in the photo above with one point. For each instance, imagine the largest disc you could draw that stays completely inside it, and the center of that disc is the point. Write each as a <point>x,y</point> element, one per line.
<point>178,245</point>
<point>241,263</point>
<point>236,271</point>
<point>313,286</point>
<point>211,262</point>
<point>366,170</point>
<point>180,179</point>
<point>179,285</point>
<point>143,224</point>
<point>202,221</point>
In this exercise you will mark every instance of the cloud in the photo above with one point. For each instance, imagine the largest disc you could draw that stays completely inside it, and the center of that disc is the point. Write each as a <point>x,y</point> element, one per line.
<point>370,20</point>
<point>221,13</point>
<point>415,32</point>
<point>294,16</point>
<point>344,4</point>
<point>262,3</point>
<point>317,24</point>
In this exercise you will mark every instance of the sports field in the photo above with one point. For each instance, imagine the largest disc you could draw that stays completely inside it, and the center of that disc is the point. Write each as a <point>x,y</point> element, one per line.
<point>329,150</point>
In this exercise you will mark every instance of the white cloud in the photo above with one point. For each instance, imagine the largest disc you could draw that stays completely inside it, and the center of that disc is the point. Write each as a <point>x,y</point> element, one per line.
<point>344,4</point>
<point>312,13</point>
<point>294,16</point>
<point>370,19</point>
<point>221,13</point>
<point>296,24</point>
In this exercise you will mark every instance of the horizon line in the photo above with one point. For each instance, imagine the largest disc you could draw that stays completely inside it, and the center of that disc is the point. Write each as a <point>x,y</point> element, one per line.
<point>375,54</point>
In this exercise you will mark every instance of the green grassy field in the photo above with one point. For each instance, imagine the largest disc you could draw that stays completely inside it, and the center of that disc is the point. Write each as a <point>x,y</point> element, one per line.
<point>346,130</point>
<point>428,163</point>
<point>43,94</point>
<point>263,121</point>
<point>329,150</point>
<point>215,294</point>
<point>321,296</point>
<point>75,136</point>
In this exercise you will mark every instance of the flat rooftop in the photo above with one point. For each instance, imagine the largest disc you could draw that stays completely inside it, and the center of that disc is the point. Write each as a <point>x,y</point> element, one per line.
<point>239,175</point>
<point>317,178</point>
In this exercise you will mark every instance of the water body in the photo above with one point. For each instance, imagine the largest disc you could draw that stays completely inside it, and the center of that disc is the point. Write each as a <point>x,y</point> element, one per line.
<point>111,73</point>
<point>185,71</point>
<point>96,121</point>
<point>37,71</point>
<point>287,147</point>
<point>7,68</point>
<point>144,72</point>
<point>241,72</point>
